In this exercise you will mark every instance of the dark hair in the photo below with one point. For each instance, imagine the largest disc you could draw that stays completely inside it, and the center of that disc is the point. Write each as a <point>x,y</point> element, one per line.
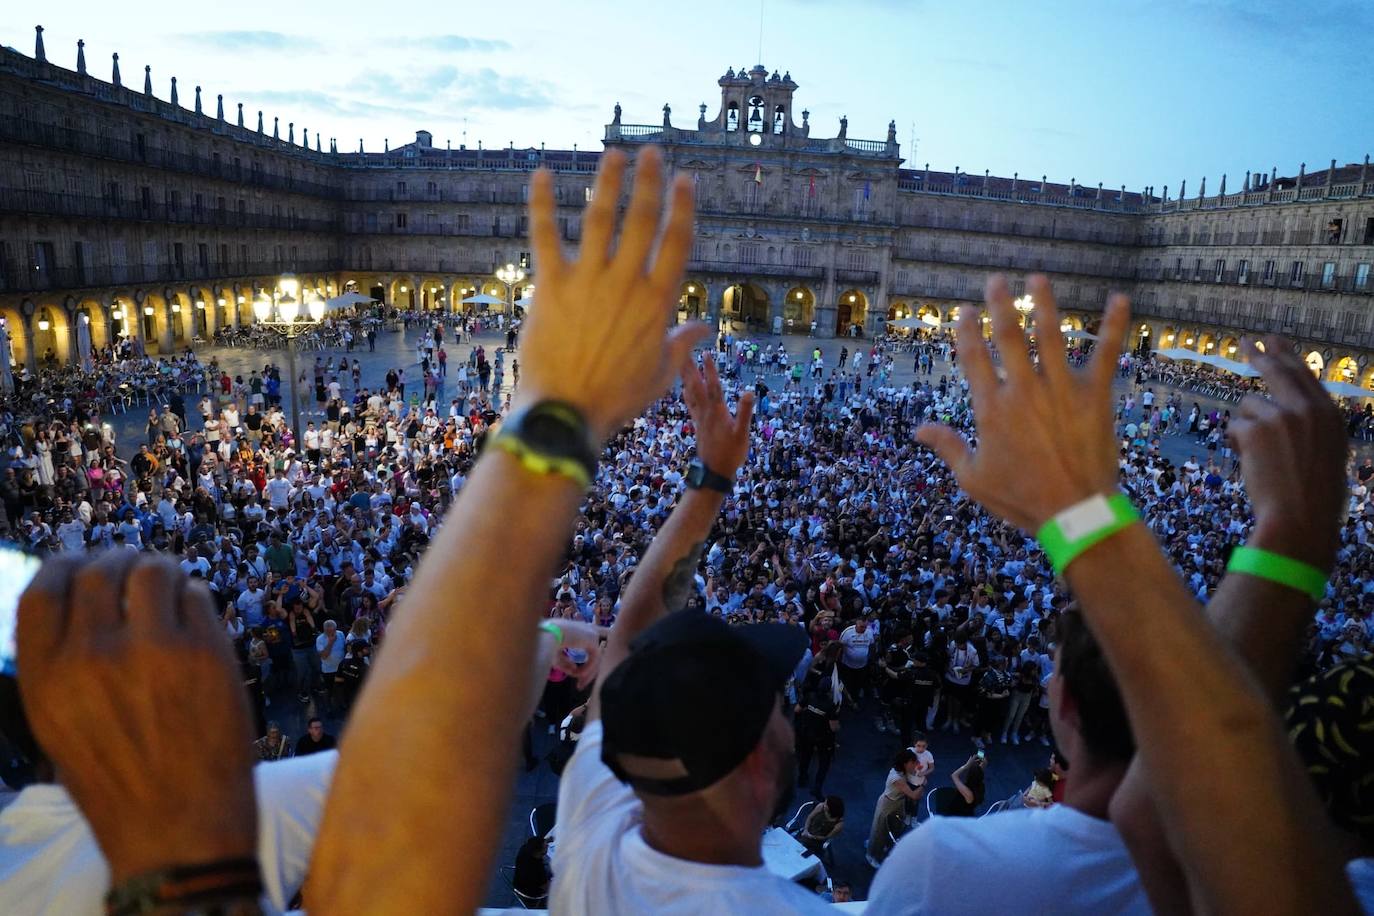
<point>313,719</point>
<point>1102,720</point>
<point>835,805</point>
<point>919,736</point>
<point>904,756</point>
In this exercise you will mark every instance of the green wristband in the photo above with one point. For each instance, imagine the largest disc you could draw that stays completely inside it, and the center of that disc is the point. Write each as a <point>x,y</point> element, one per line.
<point>1275,567</point>
<point>1084,525</point>
<point>548,626</point>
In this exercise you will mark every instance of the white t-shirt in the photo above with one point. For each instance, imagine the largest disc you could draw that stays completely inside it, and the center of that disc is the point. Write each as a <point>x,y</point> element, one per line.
<point>50,862</point>
<point>602,866</point>
<point>856,646</point>
<point>1044,860</point>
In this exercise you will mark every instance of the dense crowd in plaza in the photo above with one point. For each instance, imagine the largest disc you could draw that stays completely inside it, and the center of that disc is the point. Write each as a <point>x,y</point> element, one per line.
<point>914,605</point>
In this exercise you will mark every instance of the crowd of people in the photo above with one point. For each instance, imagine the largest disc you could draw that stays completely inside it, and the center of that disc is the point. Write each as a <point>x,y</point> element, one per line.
<point>909,598</point>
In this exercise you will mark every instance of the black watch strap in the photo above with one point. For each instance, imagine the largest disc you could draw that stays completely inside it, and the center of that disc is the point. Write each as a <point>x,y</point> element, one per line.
<point>699,477</point>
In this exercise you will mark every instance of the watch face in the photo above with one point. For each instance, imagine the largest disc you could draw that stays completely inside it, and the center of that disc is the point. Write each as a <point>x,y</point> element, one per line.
<point>545,433</point>
<point>695,472</point>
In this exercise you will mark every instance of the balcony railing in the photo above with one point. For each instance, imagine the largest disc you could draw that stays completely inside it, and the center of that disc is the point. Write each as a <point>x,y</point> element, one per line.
<point>85,143</point>
<point>61,203</point>
<point>16,280</point>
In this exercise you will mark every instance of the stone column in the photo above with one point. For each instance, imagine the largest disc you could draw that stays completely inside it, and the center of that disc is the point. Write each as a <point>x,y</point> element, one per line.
<point>73,354</point>
<point>166,343</point>
<point>30,344</point>
<point>825,310</point>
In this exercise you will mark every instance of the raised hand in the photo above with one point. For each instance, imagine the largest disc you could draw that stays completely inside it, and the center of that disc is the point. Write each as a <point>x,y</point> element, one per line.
<point>1044,438</point>
<point>722,437</point>
<point>1293,448</point>
<point>133,693</point>
<point>583,637</point>
<point>598,338</point>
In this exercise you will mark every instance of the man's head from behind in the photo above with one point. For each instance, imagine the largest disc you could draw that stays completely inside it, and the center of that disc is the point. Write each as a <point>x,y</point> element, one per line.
<point>1086,710</point>
<point>695,713</point>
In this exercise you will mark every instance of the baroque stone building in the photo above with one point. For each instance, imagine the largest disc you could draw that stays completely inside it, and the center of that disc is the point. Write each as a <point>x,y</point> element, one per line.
<point>161,220</point>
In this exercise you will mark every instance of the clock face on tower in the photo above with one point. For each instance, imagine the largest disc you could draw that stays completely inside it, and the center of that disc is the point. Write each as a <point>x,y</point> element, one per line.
<point>755,139</point>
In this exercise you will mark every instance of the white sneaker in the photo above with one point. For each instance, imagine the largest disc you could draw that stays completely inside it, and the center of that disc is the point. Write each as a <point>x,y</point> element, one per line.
<point>1002,739</point>
<point>872,861</point>
<point>1045,740</point>
<point>1016,738</point>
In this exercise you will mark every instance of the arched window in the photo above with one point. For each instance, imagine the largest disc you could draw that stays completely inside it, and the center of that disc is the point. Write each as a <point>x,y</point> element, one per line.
<point>732,116</point>
<point>779,119</point>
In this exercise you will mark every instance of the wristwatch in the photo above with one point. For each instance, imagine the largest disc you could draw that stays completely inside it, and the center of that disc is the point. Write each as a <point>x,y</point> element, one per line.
<point>700,476</point>
<point>550,437</point>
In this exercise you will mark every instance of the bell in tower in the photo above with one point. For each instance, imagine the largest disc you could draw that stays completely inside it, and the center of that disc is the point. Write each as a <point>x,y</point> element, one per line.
<point>756,113</point>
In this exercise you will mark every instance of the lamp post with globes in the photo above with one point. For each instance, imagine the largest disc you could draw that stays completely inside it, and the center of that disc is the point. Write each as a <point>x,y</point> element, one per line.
<point>281,311</point>
<point>510,275</point>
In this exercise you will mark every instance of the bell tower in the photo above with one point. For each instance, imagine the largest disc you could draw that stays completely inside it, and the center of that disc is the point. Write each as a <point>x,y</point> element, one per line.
<point>754,102</point>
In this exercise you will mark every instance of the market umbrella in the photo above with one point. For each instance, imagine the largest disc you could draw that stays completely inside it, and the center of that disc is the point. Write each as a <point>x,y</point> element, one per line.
<point>483,299</point>
<point>1075,334</point>
<point>1347,390</point>
<point>347,300</point>
<point>83,343</point>
<point>525,302</point>
<point>1233,366</point>
<point>6,375</point>
<point>1179,353</point>
<point>908,323</point>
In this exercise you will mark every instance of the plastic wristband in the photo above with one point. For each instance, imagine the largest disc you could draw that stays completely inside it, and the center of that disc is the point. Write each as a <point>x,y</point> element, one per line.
<point>548,626</point>
<point>1275,567</point>
<point>543,464</point>
<point>1084,525</point>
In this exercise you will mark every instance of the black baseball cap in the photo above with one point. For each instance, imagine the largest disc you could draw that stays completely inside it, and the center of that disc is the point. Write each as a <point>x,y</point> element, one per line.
<point>692,700</point>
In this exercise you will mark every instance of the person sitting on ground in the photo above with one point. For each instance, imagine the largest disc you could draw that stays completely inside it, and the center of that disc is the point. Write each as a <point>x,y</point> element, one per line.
<point>315,740</point>
<point>274,745</point>
<point>532,874</point>
<point>1040,793</point>
<point>971,785</point>
<point>823,823</point>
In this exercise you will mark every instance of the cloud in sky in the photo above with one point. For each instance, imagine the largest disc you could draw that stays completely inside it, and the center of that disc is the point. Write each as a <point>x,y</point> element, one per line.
<point>463,43</point>
<point>328,103</point>
<point>251,40</point>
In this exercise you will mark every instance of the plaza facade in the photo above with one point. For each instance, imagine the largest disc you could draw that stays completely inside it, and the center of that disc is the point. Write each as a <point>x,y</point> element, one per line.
<point>163,218</point>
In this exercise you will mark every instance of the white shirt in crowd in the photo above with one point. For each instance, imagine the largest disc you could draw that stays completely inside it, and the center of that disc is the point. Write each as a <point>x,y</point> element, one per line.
<point>50,864</point>
<point>1045,860</point>
<point>602,866</point>
<point>856,646</point>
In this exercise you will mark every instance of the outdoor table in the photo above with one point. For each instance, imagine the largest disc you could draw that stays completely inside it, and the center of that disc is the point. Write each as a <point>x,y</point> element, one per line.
<point>784,856</point>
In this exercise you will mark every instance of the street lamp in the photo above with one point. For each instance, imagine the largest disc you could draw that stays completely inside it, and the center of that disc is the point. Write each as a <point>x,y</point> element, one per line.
<point>289,322</point>
<point>510,275</point>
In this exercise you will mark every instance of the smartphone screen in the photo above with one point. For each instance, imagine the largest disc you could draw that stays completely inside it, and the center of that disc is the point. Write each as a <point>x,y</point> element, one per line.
<point>17,570</point>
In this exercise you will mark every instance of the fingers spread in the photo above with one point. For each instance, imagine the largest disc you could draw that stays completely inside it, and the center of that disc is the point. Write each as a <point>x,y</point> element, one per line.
<point>598,219</point>
<point>744,411</point>
<point>641,222</point>
<point>951,447</point>
<point>548,251</point>
<point>1007,332</point>
<point>1050,340</point>
<point>1111,337</point>
<point>974,357</point>
<point>665,273</point>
